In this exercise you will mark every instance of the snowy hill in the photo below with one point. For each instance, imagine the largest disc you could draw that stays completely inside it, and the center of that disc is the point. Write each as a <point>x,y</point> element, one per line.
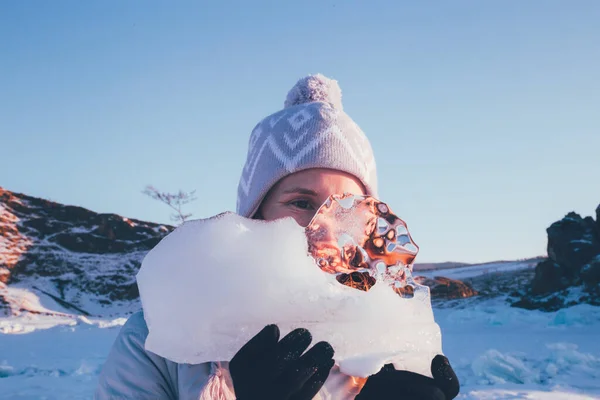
<point>59,259</point>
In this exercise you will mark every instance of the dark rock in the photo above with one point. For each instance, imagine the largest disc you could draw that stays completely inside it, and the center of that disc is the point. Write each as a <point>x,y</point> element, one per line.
<point>115,227</point>
<point>445,288</point>
<point>4,307</point>
<point>573,260</point>
<point>598,222</point>
<point>43,226</point>
<point>88,243</point>
<point>549,304</point>
<point>590,273</point>
<point>572,243</point>
<point>549,277</point>
<point>592,294</point>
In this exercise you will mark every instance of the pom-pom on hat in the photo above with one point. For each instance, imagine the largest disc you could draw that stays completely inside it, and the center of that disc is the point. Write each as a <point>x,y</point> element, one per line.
<point>312,131</point>
<point>315,88</point>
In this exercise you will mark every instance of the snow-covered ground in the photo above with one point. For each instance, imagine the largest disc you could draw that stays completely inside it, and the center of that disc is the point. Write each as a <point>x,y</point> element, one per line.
<point>62,362</point>
<point>498,352</point>
<point>471,271</point>
<point>510,353</point>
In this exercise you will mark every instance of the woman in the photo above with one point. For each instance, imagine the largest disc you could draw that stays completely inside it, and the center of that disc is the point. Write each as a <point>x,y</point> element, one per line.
<point>297,158</point>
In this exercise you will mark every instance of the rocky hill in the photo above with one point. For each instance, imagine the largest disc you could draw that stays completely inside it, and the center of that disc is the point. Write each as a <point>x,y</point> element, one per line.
<point>73,259</point>
<point>571,274</point>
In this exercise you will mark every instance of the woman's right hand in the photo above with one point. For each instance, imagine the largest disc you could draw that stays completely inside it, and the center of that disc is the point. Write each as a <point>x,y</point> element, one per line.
<point>272,369</point>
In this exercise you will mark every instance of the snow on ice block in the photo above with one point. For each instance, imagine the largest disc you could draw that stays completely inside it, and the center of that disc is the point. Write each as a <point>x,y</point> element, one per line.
<point>212,284</point>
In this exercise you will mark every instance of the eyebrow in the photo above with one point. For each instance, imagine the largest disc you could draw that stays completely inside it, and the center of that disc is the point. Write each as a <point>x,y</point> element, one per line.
<point>300,190</point>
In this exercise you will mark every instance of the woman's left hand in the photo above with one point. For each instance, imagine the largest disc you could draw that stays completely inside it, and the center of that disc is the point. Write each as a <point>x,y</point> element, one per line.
<point>403,385</point>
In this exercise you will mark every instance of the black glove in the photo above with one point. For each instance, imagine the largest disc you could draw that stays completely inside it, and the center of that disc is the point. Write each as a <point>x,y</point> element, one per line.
<point>403,385</point>
<point>269,369</point>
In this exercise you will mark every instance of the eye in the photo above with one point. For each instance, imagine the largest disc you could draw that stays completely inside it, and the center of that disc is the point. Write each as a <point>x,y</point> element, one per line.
<point>302,204</point>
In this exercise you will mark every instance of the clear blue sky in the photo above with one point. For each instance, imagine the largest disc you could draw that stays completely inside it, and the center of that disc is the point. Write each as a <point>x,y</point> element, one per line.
<point>484,115</point>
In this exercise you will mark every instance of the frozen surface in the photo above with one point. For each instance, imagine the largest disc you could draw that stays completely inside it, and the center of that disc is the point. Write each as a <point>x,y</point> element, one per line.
<point>501,352</point>
<point>498,352</point>
<point>237,275</point>
<point>470,271</point>
<point>62,362</point>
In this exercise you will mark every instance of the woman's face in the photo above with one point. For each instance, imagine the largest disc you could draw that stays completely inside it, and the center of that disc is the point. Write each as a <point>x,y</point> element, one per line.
<point>300,195</point>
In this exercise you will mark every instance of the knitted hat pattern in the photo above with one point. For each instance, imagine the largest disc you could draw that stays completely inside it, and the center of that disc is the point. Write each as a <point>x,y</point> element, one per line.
<point>312,131</point>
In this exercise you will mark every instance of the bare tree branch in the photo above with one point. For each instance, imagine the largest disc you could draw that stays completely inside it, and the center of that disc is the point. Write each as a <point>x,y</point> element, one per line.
<point>174,200</point>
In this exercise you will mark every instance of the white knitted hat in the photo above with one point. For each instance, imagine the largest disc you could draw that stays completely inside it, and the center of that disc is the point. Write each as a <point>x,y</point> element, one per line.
<point>312,131</point>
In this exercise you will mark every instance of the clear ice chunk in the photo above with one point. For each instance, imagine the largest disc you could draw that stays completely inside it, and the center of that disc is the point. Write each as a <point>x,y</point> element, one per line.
<point>212,284</point>
<point>361,241</point>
